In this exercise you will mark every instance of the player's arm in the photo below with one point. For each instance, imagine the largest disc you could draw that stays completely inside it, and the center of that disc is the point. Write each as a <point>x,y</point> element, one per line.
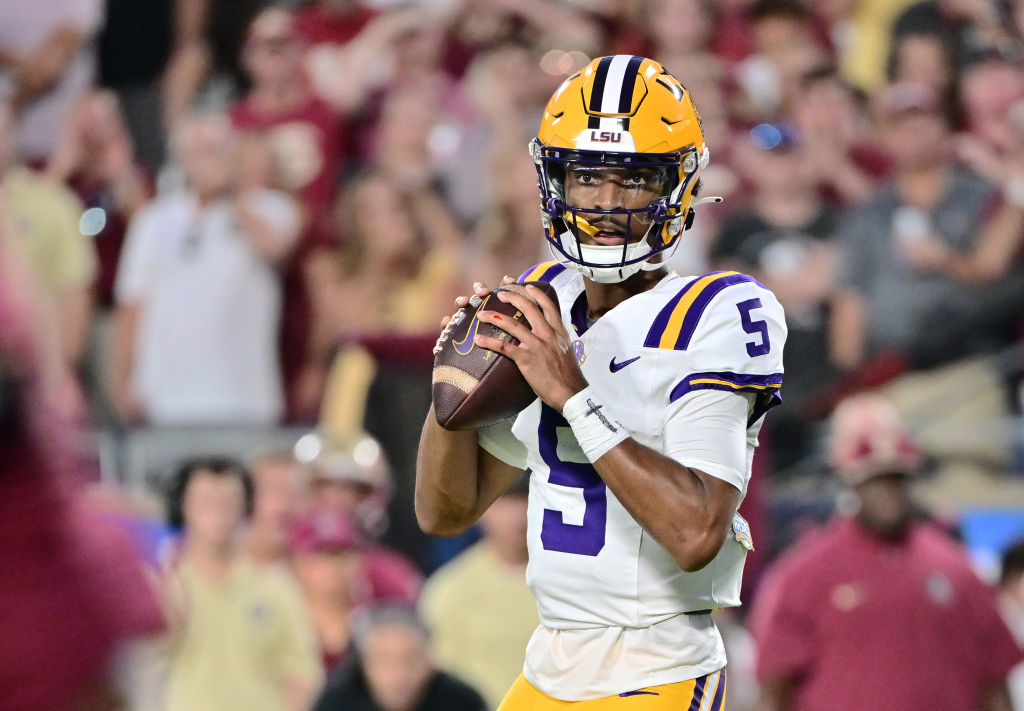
<point>456,479</point>
<point>687,510</point>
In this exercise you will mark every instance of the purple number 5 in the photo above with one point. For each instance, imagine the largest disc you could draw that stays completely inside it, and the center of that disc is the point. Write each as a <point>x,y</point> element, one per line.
<point>557,535</point>
<point>754,327</point>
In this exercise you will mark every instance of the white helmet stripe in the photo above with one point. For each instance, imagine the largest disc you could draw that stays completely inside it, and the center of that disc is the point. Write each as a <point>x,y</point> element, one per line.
<point>613,84</point>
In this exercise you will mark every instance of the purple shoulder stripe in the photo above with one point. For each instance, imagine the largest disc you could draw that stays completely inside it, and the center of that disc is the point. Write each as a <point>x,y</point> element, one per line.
<point>661,320</point>
<point>545,271</point>
<point>700,304</point>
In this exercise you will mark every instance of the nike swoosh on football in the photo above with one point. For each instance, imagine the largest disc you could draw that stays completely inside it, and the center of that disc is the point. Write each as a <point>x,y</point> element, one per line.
<point>616,367</point>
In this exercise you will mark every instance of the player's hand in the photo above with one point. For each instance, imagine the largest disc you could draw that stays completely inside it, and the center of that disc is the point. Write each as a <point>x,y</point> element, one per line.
<point>480,292</point>
<point>544,354</point>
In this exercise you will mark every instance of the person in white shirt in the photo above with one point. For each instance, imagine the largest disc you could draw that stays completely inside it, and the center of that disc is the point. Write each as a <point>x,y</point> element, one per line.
<point>651,389</point>
<point>198,296</point>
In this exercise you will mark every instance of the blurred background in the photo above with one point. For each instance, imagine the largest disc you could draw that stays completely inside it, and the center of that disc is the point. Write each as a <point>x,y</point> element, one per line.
<point>229,230</point>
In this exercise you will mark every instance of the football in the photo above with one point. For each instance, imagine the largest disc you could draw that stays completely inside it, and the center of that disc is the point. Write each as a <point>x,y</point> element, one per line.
<point>474,387</point>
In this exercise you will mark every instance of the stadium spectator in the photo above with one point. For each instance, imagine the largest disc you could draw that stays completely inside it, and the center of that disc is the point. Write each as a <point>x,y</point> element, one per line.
<point>1011,602</point>
<point>329,562</point>
<point>891,296</point>
<point>44,220</point>
<point>993,146</point>
<point>300,128</point>
<point>896,285</point>
<point>47,60</point>
<point>95,158</point>
<point>785,48</point>
<point>967,27</point>
<point>480,612</point>
<point>992,95</point>
<point>138,41</point>
<point>239,635</point>
<point>302,135</point>
<point>924,58</point>
<point>832,123</point>
<point>281,496</point>
<point>399,264</point>
<point>880,609</point>
<point>204,72</point>
<point>198,297</point>
<point>393,670</point>
<point>859,32</point>
<point>74,594</point>
<point>506,234</point>
<point>786,239</point>
<point>350,479</point>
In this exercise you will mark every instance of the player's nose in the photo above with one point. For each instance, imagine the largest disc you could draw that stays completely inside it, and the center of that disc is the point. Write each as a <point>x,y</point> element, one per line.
<point>609,195</point>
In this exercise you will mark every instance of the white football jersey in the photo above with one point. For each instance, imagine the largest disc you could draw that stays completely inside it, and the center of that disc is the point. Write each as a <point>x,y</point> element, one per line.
<point>649,359</point>
<point>656,361</point>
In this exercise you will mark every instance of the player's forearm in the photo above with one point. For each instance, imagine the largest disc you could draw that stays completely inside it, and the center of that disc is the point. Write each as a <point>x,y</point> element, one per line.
<point>687,511</point>
<point>447,480</point>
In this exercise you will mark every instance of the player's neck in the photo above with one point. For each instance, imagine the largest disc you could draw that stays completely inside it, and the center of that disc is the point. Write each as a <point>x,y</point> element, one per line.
<point>602,298</point>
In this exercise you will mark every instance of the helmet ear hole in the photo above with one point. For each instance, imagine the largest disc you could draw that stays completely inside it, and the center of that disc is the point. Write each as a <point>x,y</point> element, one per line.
<point>690,214</point>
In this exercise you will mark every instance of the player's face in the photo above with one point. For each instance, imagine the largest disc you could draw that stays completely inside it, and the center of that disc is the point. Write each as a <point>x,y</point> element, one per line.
<point>610,188</point>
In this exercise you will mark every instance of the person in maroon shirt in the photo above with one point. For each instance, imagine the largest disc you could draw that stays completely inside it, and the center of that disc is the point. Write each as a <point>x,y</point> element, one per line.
<point>73,593</point>
<point>881,609</point>
<point>301,134</point>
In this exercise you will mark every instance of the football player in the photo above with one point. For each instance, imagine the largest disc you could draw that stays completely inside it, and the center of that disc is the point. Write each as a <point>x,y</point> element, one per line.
<point>651,390</point>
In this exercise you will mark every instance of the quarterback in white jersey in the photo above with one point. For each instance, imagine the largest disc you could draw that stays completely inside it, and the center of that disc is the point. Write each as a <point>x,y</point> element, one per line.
<point>651,390</point>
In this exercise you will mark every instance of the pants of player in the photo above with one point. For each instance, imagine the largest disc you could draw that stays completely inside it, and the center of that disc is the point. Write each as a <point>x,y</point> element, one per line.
<point>705,693</point>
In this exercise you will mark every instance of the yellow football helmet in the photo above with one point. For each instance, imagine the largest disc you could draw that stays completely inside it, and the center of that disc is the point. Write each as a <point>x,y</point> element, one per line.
<point>625,112</point>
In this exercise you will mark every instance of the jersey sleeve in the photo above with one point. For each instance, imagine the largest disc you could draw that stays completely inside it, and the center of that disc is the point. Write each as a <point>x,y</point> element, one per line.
<point>707,430</point>
<point>498,440</point>
<point>732,330</point>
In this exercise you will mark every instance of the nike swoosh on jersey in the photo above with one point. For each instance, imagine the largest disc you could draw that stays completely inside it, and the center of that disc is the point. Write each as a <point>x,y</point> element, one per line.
<point>616,367</point>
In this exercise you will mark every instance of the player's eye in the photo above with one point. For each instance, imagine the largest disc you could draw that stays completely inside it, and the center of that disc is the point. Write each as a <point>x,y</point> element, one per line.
<point>585,178</point>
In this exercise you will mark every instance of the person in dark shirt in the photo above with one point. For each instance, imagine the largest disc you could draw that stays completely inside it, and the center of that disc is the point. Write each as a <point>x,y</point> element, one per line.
<point>393,669</point>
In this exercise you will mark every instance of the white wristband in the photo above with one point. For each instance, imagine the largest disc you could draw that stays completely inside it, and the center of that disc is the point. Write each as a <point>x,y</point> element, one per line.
<point>596,430</point>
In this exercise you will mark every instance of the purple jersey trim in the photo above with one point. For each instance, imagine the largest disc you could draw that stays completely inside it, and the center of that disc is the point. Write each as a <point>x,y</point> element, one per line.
<point>698,693</point>
<point>766,387</point>
<point>716,705</point>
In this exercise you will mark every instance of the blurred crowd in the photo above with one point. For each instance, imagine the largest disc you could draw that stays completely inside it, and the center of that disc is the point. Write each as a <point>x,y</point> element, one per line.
<point>253,214</point>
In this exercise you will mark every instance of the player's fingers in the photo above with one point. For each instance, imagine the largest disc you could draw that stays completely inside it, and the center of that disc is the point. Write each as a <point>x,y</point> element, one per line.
<point>518,329</point>
<point>551,312</point>
<point>538,322</point>
<point>498,345</point>
<point>445,320</point>
<point>508,280</point>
